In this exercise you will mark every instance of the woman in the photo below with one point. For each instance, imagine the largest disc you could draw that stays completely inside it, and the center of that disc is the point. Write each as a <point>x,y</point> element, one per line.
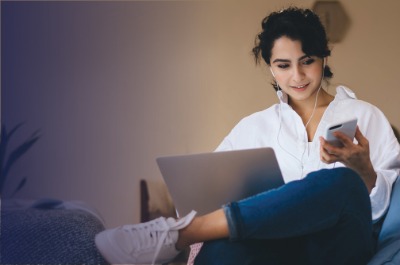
<point>324,212</point>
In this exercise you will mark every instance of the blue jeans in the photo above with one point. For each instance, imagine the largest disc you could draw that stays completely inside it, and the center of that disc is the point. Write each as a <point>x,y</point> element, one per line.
<point>324,218</point>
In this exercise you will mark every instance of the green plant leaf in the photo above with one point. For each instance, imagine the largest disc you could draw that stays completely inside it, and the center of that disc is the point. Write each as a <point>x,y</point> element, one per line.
<point>20,186</point>
<point>13,130</point>
<point>18,152</point>
<point>15,155</point>
<point>3,147</point>
<point>4,143</point>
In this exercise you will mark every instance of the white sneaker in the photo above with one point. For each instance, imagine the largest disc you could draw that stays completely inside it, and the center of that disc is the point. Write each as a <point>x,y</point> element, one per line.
<point>151,242</point>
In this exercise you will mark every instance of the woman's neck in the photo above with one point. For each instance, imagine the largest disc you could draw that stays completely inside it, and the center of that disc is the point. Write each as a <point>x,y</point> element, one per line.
<point>311,111</point>
<point>305,107</point>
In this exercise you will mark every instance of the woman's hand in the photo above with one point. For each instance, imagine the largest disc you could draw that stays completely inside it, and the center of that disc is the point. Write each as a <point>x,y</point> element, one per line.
<point>354,156</point>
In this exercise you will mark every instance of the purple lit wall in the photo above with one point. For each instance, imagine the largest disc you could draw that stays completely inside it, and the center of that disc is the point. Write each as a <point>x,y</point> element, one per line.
<point>112,85</point>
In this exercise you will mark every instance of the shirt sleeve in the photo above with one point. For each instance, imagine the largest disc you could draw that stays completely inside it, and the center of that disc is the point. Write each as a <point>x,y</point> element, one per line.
<point>380,194</point>
<point>385,157</point>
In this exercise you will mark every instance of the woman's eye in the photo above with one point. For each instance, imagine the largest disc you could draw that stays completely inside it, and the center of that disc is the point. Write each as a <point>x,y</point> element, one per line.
<point>283,66</point>
<point>309,61</point>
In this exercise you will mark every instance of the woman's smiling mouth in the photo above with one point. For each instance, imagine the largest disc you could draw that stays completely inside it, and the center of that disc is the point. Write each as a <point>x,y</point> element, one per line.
<point>300,87</point>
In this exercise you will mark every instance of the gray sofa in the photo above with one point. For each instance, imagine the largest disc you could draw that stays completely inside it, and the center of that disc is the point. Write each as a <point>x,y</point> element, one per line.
<point>49,235</point>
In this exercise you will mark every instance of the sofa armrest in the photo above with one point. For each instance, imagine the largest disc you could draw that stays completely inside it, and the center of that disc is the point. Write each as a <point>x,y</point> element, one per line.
<point>155,201</point>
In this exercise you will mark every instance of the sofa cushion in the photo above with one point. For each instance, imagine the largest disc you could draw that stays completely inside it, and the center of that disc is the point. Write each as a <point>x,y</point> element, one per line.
<point>389,237</point>
<point>391,226</point>
<point>388,255</point>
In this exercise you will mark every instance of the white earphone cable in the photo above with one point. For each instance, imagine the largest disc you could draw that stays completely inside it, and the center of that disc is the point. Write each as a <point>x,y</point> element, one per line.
<point>280,94</point>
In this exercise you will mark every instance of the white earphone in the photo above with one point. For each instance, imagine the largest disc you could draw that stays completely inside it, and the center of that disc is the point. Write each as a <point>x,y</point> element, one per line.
<point>272,72</point>
<point>279,91</point>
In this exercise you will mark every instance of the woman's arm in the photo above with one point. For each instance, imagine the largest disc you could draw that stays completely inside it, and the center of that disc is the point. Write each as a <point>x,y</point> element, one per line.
<point>376,157</point>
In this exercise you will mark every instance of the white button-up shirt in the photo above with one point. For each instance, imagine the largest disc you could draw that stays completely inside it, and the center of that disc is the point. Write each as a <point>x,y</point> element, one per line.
<point>281,128</point>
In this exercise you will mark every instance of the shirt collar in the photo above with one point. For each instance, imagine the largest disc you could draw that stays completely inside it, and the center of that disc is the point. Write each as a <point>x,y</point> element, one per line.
<point>343,92</point>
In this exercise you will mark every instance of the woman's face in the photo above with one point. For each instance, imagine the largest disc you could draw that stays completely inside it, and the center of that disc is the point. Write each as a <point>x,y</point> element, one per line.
<point>297,74</point>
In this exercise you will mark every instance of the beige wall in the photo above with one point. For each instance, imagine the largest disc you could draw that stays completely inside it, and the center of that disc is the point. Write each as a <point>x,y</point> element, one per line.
<point>367,59</point>
<point>114,85</point>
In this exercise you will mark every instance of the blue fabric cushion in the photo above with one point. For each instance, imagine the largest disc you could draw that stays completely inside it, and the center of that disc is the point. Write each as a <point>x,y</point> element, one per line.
<point>389,237</point>
<point>391,226</point>
<point>388,255</point>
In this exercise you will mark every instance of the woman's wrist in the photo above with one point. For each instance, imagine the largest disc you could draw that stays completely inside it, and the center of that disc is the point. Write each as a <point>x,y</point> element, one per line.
<point>368,175</point>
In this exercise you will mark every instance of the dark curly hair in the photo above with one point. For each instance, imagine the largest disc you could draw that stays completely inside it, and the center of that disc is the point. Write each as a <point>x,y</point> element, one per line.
<point>297,24</point>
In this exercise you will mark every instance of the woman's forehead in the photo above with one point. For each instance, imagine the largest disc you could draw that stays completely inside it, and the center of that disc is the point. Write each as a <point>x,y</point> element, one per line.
<point>286,48</point>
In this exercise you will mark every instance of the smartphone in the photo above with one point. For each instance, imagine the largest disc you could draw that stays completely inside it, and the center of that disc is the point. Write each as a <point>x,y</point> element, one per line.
<point>347,127</point>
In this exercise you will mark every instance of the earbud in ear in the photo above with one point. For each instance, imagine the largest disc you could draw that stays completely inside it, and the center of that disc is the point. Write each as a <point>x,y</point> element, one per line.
<point>323,67</point>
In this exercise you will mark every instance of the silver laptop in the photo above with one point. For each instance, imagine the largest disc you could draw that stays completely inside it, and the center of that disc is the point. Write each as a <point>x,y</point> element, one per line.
<point>204,182</point>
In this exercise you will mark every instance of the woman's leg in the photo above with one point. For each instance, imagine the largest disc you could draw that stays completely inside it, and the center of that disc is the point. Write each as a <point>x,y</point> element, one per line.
<point>325,217</point>
<point>208,227</point>
<point>329,209</point>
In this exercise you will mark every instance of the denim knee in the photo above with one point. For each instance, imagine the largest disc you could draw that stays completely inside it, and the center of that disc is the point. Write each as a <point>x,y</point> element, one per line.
<point>346,184</point>
<point>341,178</point>
<point>331,189</point>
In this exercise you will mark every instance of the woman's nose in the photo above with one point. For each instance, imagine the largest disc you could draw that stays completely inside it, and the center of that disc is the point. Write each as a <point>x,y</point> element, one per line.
<point>298,74</point>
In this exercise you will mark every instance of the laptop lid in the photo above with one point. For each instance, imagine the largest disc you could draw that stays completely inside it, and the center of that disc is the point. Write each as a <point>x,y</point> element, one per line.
<point>204,182</point>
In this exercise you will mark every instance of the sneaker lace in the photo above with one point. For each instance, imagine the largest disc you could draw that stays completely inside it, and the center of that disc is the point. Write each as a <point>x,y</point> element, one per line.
<point>157,233</point>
